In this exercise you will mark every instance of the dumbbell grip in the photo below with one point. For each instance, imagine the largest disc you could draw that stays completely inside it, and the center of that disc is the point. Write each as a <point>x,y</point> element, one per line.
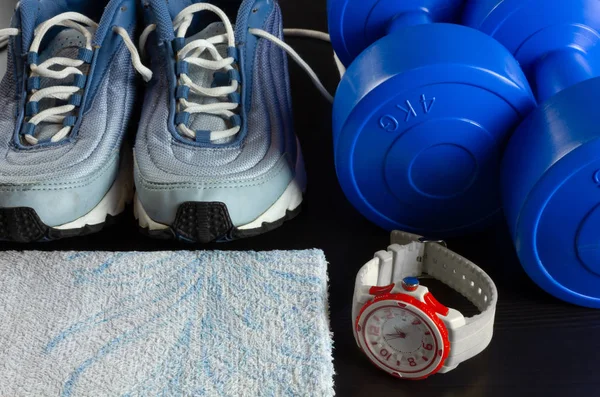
<point>561,69</point>
<point>412,18</point>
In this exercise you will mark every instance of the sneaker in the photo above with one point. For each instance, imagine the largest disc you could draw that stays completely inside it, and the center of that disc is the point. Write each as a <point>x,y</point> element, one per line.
<point>216,157</point>
<point>64,110</point>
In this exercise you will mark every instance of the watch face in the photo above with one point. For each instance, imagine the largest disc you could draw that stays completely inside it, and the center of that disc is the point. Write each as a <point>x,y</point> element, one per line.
<point>401,338</point>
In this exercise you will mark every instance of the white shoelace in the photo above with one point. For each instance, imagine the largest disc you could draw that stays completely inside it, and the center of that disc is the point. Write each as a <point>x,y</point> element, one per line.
<point>5,35</point>
<point>315,34</point>
<point>63,113</point>
<point>192,53</point>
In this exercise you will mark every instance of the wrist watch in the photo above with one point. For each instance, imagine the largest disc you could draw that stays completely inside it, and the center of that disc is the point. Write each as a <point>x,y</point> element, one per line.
<point>399,324</point>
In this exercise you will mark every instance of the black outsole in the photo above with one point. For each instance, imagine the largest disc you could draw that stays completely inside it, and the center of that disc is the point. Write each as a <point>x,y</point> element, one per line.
<point>23,225</point>
<point>210,222</point>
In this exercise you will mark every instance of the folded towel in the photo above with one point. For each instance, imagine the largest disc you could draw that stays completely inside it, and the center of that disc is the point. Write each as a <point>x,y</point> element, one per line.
<point>164,323</point>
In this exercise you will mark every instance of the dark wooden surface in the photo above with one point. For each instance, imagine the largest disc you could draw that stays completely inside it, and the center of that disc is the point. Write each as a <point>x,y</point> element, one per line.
<point>541,346</point>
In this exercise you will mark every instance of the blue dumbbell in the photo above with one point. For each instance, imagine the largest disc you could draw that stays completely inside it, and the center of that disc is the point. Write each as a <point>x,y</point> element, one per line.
<point>422,115</point>
<point>551,168</point>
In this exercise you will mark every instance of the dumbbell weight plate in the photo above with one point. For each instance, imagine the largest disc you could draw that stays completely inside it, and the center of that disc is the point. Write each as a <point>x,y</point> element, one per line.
<point>551,191</point>
<point>355,24</point>
<point>420,121</point>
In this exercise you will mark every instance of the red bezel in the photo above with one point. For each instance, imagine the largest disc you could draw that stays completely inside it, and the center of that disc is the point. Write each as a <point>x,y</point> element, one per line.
<point>423,307</point>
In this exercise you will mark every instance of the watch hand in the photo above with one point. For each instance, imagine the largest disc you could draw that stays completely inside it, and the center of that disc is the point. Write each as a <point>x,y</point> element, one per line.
<point>400,333</point>
<point>393,336</point>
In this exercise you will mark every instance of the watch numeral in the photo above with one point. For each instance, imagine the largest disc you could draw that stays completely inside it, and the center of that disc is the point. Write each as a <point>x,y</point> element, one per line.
<point>428,346</point>
<point>388,313</point>
<point>425,358</point>
<point>385,354</point>
<point>412,362</point>
<point>374,330</point>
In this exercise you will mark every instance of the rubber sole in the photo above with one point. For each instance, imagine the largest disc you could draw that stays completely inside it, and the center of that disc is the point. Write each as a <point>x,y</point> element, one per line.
<point>209,222</point>
<point>23,225</point>
<point>206,222</point>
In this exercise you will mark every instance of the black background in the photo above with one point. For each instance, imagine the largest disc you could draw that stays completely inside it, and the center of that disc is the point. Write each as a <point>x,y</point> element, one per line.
<point>541,346</point>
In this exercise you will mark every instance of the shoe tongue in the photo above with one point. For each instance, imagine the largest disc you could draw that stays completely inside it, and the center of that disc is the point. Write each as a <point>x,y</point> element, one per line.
<point>65,44</point>
<point>35,12</point>
<point>204,77</point>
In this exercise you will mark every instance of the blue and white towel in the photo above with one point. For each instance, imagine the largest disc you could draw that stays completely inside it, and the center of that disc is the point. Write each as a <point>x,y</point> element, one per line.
<point>164,324</point>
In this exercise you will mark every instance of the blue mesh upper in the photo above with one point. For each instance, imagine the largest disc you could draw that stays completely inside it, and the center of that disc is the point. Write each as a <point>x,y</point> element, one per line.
<point>162,159</point>
<point>99,137</point>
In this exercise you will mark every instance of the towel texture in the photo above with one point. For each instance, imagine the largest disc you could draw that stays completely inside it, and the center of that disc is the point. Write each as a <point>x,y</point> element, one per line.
<point>164,324</point>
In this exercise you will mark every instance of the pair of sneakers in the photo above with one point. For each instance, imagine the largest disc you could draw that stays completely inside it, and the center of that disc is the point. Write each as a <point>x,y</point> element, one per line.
<point>215,156</point>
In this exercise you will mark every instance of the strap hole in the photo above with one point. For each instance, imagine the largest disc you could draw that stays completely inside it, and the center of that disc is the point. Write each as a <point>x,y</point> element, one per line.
<point>479,291</point>
<point>485,298</point>
<point>464,277</point>
<point>445,266</point>
<point>472,284</point>
<point>453,271</point>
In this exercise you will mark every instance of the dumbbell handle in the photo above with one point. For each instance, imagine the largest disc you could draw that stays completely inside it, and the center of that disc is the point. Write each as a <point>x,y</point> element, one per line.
<point>411,18</point>
<point>354,25</point>
<point>561,69</point>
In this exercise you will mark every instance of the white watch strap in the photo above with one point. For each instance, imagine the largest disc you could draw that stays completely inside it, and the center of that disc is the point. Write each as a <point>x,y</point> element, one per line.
<point>410,257</point>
